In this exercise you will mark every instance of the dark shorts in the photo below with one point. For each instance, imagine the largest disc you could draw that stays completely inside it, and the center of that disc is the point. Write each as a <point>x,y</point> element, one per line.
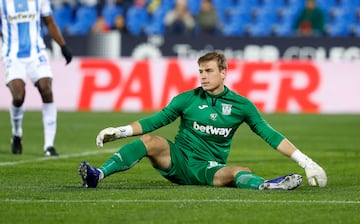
<point>186,170</point>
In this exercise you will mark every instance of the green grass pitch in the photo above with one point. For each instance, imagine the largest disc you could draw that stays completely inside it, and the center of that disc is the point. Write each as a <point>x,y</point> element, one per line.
<point>35,189</point>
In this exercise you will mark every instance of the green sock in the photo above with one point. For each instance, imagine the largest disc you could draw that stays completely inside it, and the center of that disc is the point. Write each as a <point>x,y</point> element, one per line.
<point>245,179</point>
<point>125,158</point>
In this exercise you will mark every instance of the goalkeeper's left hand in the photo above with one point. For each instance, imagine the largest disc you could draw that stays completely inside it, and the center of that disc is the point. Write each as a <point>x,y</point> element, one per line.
<point>315,174</point>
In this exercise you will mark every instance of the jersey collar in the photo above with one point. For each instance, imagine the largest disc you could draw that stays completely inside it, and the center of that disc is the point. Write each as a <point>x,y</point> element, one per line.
<point>226,90</point>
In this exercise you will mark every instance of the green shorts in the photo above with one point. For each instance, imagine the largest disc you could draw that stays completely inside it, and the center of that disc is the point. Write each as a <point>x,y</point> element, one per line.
<point>186,170</point>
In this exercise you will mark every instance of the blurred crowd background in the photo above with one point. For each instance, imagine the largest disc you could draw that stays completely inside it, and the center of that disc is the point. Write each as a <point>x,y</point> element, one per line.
<point>254,18</point>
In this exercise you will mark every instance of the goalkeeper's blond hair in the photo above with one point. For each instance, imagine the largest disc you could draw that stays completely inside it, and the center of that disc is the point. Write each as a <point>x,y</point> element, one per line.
<point>216,56</point>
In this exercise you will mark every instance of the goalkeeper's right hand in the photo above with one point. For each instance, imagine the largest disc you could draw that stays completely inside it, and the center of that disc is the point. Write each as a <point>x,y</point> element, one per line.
<point>109,134</point>
<point>105,135</point>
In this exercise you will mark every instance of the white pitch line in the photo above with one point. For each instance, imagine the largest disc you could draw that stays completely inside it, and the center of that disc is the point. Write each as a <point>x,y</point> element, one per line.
<point>67,156</point>
<point>181,201</point>
<point>102,151</point>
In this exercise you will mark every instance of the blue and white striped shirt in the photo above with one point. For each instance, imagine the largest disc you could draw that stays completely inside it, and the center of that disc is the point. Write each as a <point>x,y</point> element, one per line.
<point>21,24</point>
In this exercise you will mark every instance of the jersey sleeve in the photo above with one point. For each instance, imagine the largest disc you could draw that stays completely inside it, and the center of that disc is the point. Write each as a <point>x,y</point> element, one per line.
<point>261,127</point>
<point>45,8</point>
<point>167,115</point>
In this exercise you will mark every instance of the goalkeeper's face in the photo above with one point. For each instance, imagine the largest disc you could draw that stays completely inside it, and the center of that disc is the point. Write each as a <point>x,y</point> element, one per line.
<point>211,77</point>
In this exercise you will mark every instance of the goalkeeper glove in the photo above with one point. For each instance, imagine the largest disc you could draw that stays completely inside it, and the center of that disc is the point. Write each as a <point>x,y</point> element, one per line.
<point>66,52</point>
<point>110,134</point>
<point>315,174</point>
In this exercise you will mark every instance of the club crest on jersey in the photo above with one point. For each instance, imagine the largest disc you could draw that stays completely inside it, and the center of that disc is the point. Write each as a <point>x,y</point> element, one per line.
<point>226,109</point>
<point>213,116</point>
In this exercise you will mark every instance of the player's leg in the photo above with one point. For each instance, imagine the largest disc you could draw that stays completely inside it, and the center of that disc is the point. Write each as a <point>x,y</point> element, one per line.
<point>122,160</point>
<point>158,151</point>
<point>238,176</point>
<point>155,148</point>
<point>242,177</point>
<point>17,89</point>
<point>15,80</point>
<point>49,114</point>
<point>41,75</point>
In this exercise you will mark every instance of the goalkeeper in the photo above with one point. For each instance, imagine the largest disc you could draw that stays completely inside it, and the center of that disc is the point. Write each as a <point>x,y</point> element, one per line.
<point>209,117</point>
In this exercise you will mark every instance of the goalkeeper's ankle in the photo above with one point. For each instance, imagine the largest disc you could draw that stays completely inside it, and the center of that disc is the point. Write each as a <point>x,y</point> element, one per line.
<point>101,174</point>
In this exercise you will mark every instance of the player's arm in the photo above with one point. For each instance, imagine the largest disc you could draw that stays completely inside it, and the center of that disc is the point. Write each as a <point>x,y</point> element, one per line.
<point>142,126</point>
<point>145,125</point>
<point>58,37</point>
<point>112,133</point>
<point>315,174</point>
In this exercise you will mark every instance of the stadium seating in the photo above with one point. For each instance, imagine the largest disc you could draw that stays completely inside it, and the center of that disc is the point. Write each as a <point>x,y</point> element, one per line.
<point>272,4</point>
<point>63,16</point>
<point>156,25</point>
<point>341,19</point>
<point>286,15</point>
<point>247,4</point>
<point>238,17</point>
<point>222,7</point>
<point>84,19</point>
<point>109,12</point>
<point>263,19</point>
<point>194,6</point>
<point>136,20</point>
<point>326,5</point>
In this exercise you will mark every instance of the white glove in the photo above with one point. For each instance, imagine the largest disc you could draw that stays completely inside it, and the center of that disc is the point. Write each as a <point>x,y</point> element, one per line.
<point>315,174</point>
<point>110,134</point>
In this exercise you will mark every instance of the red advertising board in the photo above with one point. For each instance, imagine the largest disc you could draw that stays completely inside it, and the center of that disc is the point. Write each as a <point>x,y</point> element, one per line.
<point>146,85</point>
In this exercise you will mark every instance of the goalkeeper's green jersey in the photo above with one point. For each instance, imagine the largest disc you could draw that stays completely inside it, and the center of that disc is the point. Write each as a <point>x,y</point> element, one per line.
<point>208,123</point>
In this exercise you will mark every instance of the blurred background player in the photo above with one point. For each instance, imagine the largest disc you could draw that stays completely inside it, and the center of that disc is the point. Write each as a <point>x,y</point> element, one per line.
<point>311,21</point>
<point>23,53</point>
<point>179,20</point>
<point>207,21</point>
